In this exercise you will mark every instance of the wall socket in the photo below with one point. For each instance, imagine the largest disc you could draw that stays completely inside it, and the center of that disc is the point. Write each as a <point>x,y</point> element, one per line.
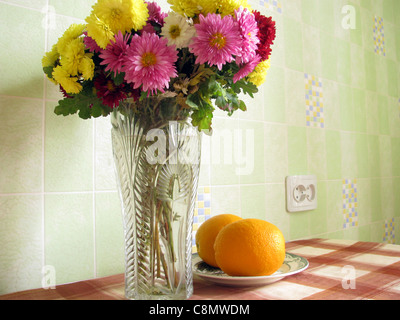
<point>301,193</point>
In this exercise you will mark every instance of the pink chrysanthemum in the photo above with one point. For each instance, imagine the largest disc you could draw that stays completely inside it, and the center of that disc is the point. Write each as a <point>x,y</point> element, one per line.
<point>114,55</point>
<point>90,43</point>
<point>155,13</point>
<point>246,68</point>
<point>147,28</point>
<point>150,62</point>
<point>248,32</point>
<point>217,40</point>
<point>156,16</point>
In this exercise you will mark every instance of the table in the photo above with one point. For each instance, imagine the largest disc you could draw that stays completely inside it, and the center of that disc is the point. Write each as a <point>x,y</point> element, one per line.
<point>338,270</point>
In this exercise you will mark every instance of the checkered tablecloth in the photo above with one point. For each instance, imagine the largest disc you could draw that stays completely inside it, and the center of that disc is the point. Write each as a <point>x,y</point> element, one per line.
<point>338,270</point>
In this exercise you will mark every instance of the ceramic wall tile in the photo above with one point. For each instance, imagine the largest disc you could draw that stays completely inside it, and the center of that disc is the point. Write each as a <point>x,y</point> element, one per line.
<point>294,97</point>
<point>311,49</point>
<point>333,154</point>
<point>251,159</point>
<point>275,152</point>
<point>22,50</point>
<point>275,207</point>
<point>69,236</point>
<point>225,163</point>
<point>104,163</point>
<point>73,8</point>
<point>225,199</point>
<point>274,96</point>
<point>109,235</point>
<point>297,151</point>
<point>329,59</point>
<point>21,145</point>
<point>21,236</point>
<point>252,200</point>
<point>360,115</point>
<point>316,152</point>
<point>293,44</point>
<point>68,165</point>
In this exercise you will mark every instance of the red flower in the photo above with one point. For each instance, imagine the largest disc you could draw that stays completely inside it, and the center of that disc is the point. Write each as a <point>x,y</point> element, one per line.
<point>266,34</point>
<point>64,93</point>
<point>109,93</point>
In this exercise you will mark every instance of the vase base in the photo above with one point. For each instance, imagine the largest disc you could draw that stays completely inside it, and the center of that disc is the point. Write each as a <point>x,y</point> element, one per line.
<point>181,296</point>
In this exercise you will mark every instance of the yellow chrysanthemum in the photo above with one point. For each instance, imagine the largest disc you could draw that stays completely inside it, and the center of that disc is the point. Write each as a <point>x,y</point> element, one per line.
<point>122,15</point>
<point>70,84</point>
<point>189,8</point>
<point>228,7</point>
<point>99,31</point>
<point>208,6</point>
<point>259,74</point>
<point>50,58</point>
<point>140,14</point>
<point>72,33</point>
<point>86,67</point>
<point>73,55</point>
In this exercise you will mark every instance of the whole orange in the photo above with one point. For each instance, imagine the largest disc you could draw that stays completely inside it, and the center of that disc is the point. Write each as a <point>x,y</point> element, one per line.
<point>250,247</point>
<point>206,234</point>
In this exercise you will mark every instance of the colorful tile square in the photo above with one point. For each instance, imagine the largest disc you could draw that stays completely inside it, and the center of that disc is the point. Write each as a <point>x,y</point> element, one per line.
<point>273,5</point>
<point>314,101</point>
<point>389,233</point>
<point>379,36</point>
<point>350,203</point>
<point>202,212</point>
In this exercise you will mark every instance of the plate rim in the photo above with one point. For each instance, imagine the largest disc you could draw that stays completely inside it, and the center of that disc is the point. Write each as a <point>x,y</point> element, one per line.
<point>223,276</point>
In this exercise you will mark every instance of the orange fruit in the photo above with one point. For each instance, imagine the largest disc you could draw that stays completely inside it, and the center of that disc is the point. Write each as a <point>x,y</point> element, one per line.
<point>206,234</point>
<point>250,247</point>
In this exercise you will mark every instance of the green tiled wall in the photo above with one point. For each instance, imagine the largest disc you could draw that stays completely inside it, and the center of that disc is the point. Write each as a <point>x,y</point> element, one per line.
<point>58,201</point>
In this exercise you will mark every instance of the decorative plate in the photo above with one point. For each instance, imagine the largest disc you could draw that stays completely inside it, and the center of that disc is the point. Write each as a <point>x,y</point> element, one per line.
<point>293,264</point>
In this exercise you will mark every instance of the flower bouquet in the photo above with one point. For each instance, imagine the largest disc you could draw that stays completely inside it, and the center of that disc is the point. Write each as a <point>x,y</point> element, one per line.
<point>166,71</point>
<point>201,51</point>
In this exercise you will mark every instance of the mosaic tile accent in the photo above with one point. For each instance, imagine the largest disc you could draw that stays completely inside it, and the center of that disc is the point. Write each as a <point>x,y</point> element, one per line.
<point>273,5</point>
<point>202,212</point>
<point>314,101</point>
<point>350,203</point>
<point>379,36</point>
<point>389,233</point>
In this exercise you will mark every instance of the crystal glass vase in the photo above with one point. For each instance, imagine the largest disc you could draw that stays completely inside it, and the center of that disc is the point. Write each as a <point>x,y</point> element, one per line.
<point>157,160</point>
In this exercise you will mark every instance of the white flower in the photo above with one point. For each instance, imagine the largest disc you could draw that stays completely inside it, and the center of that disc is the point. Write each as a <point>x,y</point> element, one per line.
<point>177,30</point>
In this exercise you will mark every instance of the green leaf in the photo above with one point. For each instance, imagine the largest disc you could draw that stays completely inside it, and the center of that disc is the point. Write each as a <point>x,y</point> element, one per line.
<point>48,71</point>
<point>86,103</point>
<point>198,100</point>
<point>244,86</point>
<point>242,105</point>
<point>97,110</point>
<point>202,117</point>
<point>66,107</point>
<point>84,112</point>
<point>119,78</point>
<point>214,88</point>
<point>193,101</point>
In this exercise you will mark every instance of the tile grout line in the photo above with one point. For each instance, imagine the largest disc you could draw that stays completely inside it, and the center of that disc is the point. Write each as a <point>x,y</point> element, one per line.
<point>203,185</point>
<point>94,197</point>
<point>43,144</point>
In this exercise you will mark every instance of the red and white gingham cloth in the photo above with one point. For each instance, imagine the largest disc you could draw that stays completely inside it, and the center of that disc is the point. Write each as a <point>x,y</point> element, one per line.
<point>376,268</point>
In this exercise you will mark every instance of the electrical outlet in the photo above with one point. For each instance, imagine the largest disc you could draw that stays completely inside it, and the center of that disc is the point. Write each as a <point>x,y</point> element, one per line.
<point>301,193</point>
